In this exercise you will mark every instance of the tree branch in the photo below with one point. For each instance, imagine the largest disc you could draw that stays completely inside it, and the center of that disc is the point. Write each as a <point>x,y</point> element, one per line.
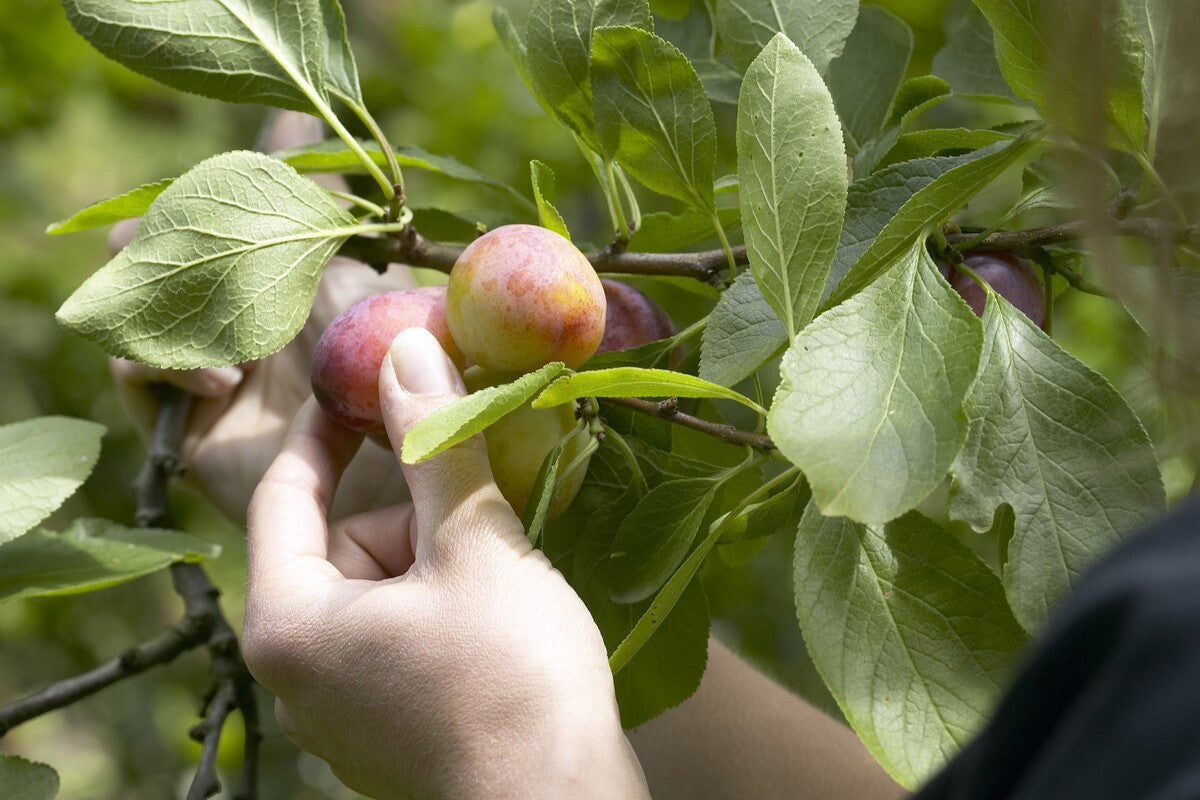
<point>1147,228</point>
<point>669,410</point>
<point>416,251</point>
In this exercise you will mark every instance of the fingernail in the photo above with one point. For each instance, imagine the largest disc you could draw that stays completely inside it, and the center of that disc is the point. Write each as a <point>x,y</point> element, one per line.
<point>421,365</point>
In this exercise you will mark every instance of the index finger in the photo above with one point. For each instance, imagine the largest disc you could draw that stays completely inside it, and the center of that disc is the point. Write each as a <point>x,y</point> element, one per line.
<point>287,521</point>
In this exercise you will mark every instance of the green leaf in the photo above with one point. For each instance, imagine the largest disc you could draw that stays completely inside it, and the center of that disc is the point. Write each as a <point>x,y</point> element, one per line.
<point>658,611</point>
<point>968,59</point>
<point>26,780</point>
<point>1039,44</point>
<point>223,267</point>
<point>818,27</point>
<point>663,232</point>
<point>936,141</point>
<point>864,79</point>
<point>240,51</point>
<point>1053,440</point>
<point>634,382</point>
<point>653,540</point>
<point>792,178</point>
<point>874,200</point>
<point>558,39</point>
<point>652,115</point>
<point>514,45</point>
<point>870,403</point>
<point>915,97</point>
<point>910,631</point>
<point>647,355</point>
<point>668,668</point>
<point>779,512</point>
<point>332,155</point>
<point>42,462</point>
<point>129,204</point>
<point>742,334</point>
<point>341,73</point>
<point>544,194</point>
<point>722,83</point>
<point>931,205</point>
<point>469,415</point>
<point>91,554</point>
<point>537,507</point>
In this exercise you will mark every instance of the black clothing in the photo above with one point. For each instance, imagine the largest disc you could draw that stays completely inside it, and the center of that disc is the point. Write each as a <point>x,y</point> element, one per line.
<point>1108,706</point>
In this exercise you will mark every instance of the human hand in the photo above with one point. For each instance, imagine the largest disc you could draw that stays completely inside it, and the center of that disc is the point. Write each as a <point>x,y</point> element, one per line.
<point>240,414</point>
<point>425,649</point>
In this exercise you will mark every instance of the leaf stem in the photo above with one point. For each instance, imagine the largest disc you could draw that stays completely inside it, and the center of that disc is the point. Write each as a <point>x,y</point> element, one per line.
<point>361,202</point>
<point>716,221</point>
<point>389,153</point>
<point>623,231</point>
<point>1155,178</point>
<point>630,458</point>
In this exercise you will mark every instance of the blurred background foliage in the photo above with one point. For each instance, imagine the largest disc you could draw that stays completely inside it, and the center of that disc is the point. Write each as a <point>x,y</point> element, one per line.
<point>75,128</point>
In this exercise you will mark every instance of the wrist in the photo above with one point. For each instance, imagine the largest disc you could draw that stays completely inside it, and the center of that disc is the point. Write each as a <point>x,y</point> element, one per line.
<point>575,755</point>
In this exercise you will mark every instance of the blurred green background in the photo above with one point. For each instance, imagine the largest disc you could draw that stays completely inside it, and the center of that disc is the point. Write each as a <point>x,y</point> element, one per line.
<point>75,128</point>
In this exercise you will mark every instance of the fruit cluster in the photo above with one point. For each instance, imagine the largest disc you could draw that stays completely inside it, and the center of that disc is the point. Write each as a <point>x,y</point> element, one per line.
<point>518,297</point>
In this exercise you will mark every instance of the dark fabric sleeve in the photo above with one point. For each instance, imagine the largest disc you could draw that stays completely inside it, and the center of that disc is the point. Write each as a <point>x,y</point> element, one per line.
<point>1108,705</point>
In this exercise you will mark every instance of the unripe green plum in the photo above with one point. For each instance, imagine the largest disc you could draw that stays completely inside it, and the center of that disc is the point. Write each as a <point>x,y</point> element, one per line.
<point>518,443</point>
<point>521,296</point>
<point>347,358</point>
<point>632,319</point>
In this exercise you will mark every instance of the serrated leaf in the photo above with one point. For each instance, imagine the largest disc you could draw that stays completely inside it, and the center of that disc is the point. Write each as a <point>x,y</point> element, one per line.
<point>223,267</point>
<point>537,507</point>
<point>668,668</point>
<point>722,83</point>
<point>818,27</point>
<point>864,79</point>
<point>910,631</point>
<point>332,155</point>
<point>558,40</point>
<point>792,180</point>
<point>915,97</point>
<point>652,114</point>
<point>634,382</point>
<point>779,512</point>
<point>664,232</point>
<point>655,537</point>
<point>968,59</point>
<point>105,212</point>
<point>743,332</point>
<point>341,73</point>
<point>1037,45</point>
<point>42,462</point>
<point>1055,441</point>
<point>469,415</point>
<point>91,554</point>
<point>26,780</point>
<point>870,403</point>
<point>541,176</point>
<point>931,205</point>
<point>936,141</point>
<point>647,355</point>
<point>240,51</point>
<point>875,199</point>
<point>514,45</point>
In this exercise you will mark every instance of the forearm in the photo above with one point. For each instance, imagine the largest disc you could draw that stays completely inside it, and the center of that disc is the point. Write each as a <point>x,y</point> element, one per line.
<point>742,735</point>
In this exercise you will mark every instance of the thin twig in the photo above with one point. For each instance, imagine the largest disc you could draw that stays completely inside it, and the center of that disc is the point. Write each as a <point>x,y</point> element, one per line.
<point>1025,241</point>
<point>208,732</point>
<point>669,410</point>
<point>190,632</point>
<point>416,251</point>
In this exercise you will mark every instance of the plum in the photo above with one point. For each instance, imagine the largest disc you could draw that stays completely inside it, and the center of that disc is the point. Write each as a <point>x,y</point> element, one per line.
<point>521,296</point>
<point>346,360</point>
<point>1011,276</point>
<point>518,443</point>
<point>631,319</point>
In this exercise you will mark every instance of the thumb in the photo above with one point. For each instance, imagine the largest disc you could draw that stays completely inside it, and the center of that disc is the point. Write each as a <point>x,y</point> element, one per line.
<point>455,499</point>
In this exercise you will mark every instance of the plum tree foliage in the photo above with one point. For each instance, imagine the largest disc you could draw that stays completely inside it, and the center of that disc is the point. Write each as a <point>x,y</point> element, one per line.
<point>859,353</point>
